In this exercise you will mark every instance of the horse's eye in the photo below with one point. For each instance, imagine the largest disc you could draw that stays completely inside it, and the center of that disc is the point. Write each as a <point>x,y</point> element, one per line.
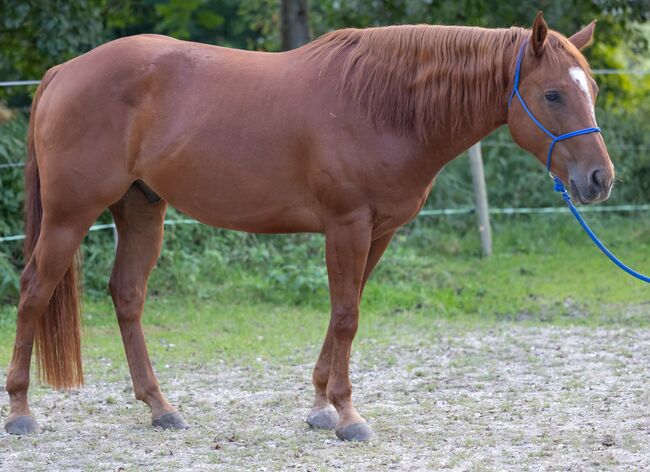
<point>552,96</point>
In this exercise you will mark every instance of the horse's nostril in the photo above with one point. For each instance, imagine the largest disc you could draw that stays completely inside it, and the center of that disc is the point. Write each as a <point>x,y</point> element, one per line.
<point>596,179</point>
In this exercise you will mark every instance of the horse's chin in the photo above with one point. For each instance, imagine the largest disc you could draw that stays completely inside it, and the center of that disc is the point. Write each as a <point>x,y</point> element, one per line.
<point>576,195</point>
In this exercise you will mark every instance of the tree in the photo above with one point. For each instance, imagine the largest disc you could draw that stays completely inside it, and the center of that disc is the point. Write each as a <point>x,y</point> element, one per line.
<point>295,24</point>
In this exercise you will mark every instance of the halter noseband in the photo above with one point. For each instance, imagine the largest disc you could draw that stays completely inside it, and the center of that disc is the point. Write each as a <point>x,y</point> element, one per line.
<point>559,186</point>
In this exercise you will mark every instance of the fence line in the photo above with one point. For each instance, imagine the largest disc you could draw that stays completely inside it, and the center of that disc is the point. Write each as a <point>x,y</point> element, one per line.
<point>432,212</point>
<point>20,237</point>
<point>12,165</point>
<point>620,72</point>
<point>535,210</point>
<point>16,83</point>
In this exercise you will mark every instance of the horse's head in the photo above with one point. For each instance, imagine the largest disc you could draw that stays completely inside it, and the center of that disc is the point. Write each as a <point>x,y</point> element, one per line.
<point>556,85</point>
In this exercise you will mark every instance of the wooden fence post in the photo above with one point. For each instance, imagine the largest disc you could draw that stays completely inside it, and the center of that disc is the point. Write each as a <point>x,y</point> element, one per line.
<point>480,198</point>
<point>115,236</point>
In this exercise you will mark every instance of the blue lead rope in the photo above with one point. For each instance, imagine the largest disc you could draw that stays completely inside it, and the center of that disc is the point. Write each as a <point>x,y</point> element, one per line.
<point>559,186</point>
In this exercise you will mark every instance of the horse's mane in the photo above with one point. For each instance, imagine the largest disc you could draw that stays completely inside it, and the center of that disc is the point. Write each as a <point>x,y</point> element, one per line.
<point>426,78</point>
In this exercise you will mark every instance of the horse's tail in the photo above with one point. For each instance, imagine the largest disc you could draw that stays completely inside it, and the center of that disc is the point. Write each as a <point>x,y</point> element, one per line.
<point>58,330</point>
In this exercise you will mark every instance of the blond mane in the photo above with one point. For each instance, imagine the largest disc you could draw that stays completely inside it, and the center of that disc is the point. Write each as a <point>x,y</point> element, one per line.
<point>426,78</point>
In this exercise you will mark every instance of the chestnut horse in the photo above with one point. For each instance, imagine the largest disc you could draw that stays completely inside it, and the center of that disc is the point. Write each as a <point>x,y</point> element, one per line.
<point>343,136</point>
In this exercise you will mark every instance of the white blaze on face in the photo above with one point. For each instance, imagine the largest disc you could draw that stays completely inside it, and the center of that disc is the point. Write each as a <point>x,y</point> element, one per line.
<point>579,77</point>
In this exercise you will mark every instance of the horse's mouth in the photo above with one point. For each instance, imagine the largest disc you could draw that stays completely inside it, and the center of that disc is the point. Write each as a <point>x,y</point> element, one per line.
<point>575,193</point>
<point>588,196</point>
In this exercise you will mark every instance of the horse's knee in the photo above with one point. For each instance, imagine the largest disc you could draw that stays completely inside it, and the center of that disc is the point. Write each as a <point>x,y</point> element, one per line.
<point>345,322</point>
<point>33,296</point>
<point>28,305</point>
<point>128,300</point>
<point>27,276</point>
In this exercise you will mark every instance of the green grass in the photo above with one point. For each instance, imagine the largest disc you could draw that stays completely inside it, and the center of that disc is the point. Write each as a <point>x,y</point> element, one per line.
<point>543,271</point>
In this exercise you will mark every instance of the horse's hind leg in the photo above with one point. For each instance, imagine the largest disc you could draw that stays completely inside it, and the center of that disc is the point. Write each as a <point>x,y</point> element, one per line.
<point>140,234</point>
<point>323,415</point>
<point>58,240</point>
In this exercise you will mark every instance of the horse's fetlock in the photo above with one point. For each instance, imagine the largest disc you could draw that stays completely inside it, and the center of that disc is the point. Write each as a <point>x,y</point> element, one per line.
<point>319,378</point>
<point>17,384</point>
<point>339,394</point>
<point>148,394</point>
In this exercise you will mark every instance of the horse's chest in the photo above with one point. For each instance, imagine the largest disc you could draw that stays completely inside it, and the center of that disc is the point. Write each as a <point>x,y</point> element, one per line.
<point>399,206</point>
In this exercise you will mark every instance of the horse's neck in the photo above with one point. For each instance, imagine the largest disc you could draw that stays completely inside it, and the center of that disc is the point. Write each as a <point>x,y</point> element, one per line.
<point>447,144</point>
<point>466,96</point>
<point>467,127</point>
<point>469,101</point>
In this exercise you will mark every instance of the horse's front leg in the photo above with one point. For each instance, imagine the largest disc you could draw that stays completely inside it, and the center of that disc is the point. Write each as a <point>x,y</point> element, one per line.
<point>347,248</point>
<point>323,415</point>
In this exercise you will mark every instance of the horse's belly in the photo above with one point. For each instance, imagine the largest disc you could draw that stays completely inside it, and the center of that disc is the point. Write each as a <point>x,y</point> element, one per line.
<point>239,203</point>
<point>263,218</point>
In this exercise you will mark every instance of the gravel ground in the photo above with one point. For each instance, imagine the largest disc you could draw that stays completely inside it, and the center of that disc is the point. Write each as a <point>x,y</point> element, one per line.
<point>511,397</point>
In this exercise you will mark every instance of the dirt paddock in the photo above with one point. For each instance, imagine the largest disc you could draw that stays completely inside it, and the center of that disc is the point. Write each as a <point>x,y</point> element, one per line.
<point>512,397</point>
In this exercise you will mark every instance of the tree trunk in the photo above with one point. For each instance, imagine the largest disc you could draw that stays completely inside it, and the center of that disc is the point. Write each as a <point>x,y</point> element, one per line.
<point>295,24</point>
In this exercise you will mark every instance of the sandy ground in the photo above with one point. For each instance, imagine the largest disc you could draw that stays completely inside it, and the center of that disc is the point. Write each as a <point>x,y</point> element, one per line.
<point>510,398</point>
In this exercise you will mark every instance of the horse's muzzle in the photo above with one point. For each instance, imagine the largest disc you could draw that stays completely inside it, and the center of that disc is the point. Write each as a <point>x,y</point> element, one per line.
<point>595,188</point>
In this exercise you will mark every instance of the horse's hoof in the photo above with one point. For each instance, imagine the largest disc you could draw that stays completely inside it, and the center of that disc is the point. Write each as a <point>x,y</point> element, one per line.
<point>324,418</point>
<point>173,420</point>
<point>356,432</point>
<point>24,424</point>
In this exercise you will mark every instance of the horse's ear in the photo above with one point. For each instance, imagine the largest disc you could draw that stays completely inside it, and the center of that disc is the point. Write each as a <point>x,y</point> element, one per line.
<point>539,34</point>
<point>583,38</point>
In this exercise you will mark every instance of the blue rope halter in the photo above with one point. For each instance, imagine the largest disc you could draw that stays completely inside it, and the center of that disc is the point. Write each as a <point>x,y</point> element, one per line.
<point>559,186</point>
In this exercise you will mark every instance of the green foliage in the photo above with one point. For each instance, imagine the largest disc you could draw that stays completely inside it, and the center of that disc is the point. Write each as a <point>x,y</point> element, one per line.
<point>293,265</point>
<point>36,34</point>
<point>12,150</point>
<point>224,22</point>
<point>9,278</point>
<point>178,16</point>
<point>13,137</point>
